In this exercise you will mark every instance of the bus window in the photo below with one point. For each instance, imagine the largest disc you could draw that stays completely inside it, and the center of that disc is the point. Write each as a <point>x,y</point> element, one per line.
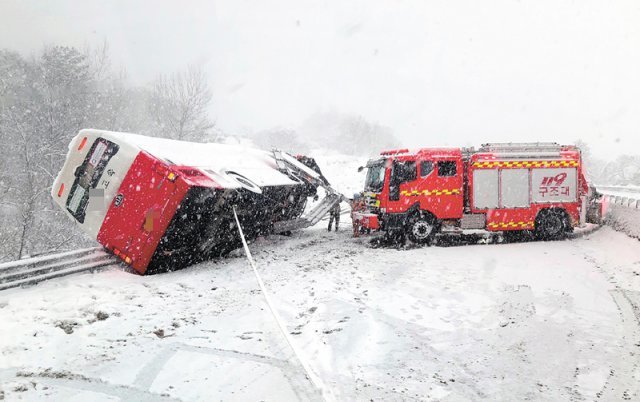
<point>88,176</point>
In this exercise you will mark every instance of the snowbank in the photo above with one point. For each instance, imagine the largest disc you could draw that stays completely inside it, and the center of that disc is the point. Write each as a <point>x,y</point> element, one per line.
<point>624,219</point>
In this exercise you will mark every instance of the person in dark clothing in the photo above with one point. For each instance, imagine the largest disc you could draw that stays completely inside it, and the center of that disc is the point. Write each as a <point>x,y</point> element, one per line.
<point>334,214</point>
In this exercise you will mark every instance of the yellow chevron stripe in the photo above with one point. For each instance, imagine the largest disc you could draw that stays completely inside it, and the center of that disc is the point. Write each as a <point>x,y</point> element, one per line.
<point>525,164</point>
<point>414,193</point>
<point>510,225</point>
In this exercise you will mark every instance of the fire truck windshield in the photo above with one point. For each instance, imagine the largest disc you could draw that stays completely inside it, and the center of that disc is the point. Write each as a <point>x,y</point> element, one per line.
<point>375,177</point>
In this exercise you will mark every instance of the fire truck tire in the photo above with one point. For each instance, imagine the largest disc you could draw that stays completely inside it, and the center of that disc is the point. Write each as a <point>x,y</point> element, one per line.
<point>551,224</point>
<point>421,228</point>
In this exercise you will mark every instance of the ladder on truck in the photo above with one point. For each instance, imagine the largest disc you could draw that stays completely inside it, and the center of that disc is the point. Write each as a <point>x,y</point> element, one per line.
<point>293,168</point>
<point>522,150</point>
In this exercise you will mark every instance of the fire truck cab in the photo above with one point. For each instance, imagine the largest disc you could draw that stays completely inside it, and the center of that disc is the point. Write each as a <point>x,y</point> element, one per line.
<point>499,187</point>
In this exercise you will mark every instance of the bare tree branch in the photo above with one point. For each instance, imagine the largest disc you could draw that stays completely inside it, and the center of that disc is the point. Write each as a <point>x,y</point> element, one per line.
<point>180,104</point>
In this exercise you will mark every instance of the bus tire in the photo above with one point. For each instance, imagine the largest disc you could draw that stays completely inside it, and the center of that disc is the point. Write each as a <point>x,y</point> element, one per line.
<point>421,228</point>
<point>551,224</point>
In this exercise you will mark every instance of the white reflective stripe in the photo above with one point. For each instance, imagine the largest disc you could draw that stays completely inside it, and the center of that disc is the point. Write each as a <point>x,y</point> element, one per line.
<point>312,377</point>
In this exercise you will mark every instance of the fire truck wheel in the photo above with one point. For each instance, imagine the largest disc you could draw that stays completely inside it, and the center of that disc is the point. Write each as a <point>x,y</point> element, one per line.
<point>421,228</point>
<point>551,224</point>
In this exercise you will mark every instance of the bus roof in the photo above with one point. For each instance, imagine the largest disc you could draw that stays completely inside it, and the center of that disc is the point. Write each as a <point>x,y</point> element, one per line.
<point>216,159</point>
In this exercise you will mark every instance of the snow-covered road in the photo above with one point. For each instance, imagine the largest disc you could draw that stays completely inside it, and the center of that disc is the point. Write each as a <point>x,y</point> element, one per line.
<point>538,320</point>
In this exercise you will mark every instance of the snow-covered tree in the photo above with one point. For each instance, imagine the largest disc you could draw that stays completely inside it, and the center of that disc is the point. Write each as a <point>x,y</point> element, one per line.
<point>623,170</point>
<point>282,138</point>
<point>45,100</point>
<point>347,133</point>
<point>180,104</point>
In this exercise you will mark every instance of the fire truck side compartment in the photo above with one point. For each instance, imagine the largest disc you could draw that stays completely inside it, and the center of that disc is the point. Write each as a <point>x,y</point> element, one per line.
<point>486,184</point>
<point>515,188</point>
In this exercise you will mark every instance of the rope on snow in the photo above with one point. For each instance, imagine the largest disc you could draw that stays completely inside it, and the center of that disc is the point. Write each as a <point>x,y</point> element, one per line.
<point>315,380</point>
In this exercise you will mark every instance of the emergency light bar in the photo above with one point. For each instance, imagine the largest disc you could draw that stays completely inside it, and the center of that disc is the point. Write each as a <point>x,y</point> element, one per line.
<point>521,147</point>
<point>395,151</point>
<point>526,155</point>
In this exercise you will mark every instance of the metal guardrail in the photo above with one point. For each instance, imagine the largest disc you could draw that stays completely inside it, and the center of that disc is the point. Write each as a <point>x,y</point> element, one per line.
<point>31,271</point>
<point>621,208</point>
<point>624,196</point>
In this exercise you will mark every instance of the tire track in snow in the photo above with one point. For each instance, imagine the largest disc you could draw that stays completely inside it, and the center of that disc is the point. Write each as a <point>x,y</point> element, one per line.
<point>623,382</point>
<point>298,381</point>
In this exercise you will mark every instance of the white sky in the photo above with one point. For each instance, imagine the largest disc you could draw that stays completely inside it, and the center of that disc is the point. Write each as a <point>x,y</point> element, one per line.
<point>449,72</point>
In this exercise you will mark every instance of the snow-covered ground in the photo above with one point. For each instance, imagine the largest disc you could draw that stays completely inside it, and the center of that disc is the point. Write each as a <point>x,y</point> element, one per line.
<point>537,320</point>
<point>540,320</point>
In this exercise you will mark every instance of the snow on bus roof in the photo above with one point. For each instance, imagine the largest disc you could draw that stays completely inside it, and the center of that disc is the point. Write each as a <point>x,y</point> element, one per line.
<point>255,164</point>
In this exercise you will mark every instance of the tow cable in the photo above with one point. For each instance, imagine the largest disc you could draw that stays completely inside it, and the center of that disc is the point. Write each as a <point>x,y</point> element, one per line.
<point>315,380</point>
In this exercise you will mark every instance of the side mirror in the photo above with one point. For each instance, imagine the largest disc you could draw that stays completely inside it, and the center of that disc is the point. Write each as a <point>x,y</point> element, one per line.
<point>360,169</point>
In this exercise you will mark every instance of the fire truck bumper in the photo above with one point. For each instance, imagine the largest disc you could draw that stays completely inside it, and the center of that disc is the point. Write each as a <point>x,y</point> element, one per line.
<point>366,220</point>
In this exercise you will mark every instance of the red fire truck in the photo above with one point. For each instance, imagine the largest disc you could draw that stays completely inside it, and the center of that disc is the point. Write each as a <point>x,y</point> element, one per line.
<point>500,187</point>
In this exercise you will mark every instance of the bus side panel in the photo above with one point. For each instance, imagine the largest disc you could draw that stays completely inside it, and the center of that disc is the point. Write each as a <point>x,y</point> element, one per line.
<point>141,211</point>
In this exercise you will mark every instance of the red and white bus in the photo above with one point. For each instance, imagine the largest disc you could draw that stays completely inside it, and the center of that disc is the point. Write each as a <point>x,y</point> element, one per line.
<point>161,204</point>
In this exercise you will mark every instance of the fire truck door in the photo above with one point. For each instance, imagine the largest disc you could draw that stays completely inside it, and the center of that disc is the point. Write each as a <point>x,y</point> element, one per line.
<point>401,183</point>
<point>442,188</point>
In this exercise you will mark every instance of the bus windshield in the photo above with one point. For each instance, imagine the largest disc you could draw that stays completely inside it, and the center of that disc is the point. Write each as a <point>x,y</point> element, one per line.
<point>375,177</point>
<point>88,175</point>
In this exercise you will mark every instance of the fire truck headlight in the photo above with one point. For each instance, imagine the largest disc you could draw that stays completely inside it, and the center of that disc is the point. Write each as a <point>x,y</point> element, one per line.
<point>383,210</point>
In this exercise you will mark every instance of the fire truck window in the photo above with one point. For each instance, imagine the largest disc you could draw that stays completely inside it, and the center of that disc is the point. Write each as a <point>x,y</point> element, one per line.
<point>375,178</point>
<point>426,167</point>
<point>447,168</point>
<point>402,172</point>
<point>405,171</point>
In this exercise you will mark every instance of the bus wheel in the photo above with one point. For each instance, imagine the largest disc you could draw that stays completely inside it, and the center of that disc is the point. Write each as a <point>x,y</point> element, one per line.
<point>421,228</point>
<point>551,224</point>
